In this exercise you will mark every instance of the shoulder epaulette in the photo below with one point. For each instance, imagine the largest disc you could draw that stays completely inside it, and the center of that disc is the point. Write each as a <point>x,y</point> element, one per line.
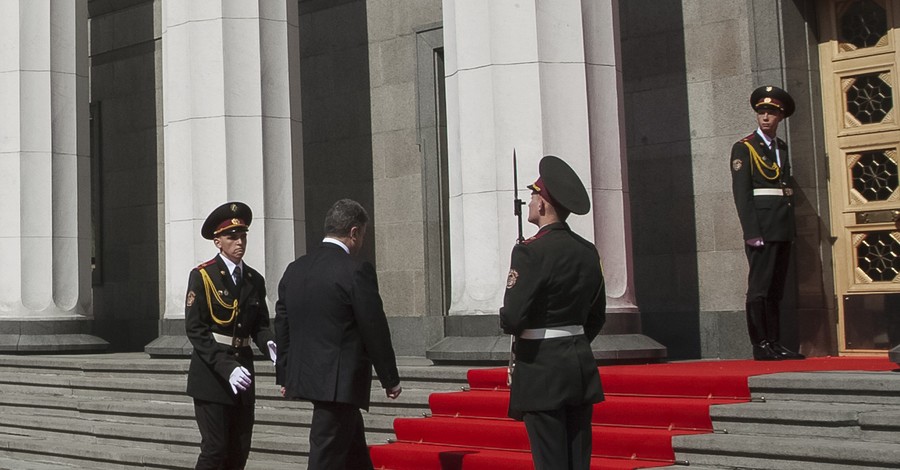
<point>535,237</point>
<point>206,263</point>
<point>748,137</point>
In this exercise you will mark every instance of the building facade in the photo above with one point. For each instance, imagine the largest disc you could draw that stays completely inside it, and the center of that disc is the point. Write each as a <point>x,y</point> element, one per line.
<point>135,118</point>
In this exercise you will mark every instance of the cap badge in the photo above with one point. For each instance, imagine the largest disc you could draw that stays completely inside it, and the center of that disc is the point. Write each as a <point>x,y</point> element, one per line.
<point>767,100</point>
<point>236,221</point>
<point>768,88</point>
<point>234,208</point>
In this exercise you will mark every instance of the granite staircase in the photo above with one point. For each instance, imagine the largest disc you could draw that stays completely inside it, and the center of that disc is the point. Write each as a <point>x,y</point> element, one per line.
<point>118,411</point>
<point>802,421</point>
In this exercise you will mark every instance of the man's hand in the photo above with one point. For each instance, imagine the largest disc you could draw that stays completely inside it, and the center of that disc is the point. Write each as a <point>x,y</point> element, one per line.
<point>393,393</point>
<point>240,379</point>
<point>756,242</point>
<point>273,351</point>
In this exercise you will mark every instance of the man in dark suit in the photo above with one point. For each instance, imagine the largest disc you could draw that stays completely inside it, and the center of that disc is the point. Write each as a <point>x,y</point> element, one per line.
<point>761,183</point>
<point>555,305</point>
<point>331,329</point>
<point>224,309</point>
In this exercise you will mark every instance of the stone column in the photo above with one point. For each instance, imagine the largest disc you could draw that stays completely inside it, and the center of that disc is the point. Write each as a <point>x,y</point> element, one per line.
<point>544,78</point>
<point>232,131</point>
<point>609,171</point>
<point>45,275</point>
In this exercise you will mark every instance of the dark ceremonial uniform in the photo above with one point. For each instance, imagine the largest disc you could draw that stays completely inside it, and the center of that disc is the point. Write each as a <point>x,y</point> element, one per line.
<point>763,196</point>
<point>555,280</point>
<point>555,305</point>
<point>220,321</point>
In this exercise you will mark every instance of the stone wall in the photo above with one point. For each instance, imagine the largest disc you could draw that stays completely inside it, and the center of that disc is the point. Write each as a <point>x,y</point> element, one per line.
<point>689,70</point>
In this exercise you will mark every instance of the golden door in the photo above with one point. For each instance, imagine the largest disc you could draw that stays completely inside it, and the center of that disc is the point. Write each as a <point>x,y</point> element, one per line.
<point>858,53</point>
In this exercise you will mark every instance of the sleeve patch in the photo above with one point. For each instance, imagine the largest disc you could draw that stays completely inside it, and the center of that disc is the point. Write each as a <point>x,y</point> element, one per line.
<point>190,299</point>
<point>737,164</point>
<point>512,278</point>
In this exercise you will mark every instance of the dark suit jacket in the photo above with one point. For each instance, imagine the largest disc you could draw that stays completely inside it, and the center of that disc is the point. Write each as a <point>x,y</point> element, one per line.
<point>555,280</point>
<point>212,362</point>
<point>330,329</point>
<point>769,217</point>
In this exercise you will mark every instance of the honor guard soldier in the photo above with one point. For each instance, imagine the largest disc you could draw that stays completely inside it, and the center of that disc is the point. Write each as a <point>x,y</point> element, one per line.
<point>225,308</point>
<point>555,305</point>
<point>761,183</point>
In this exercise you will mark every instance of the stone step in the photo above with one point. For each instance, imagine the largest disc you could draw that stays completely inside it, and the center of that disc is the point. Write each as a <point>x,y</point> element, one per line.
<point>283,441</point>
<point>121,411</point>
<point>881,426</point>
<point>783,453</point>
<point>785,418</point>
<point>413,371</point>
<point>832,387</point>
<point>66,453</point>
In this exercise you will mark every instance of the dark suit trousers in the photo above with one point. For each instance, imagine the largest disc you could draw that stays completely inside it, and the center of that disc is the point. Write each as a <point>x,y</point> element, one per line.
<point>225,434</point>
<point>560,439</point>
<point>337,438</point>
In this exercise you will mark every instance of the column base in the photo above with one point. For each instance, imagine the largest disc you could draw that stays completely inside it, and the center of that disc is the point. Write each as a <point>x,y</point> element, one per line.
<point>172,341</point>
<point>49,336</point>
<point>476,339</point>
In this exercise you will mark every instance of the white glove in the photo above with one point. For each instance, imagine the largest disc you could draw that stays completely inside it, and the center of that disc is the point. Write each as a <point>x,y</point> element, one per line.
<point>756,242</point>
<point>273,351</point>
<point>240,379</point>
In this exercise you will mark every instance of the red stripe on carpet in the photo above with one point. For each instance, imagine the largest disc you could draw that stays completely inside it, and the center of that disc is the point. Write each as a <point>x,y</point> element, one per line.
<point>646,405</point>
<point>613,441</point>
<point>723,379</point>
<point>409,456</point>
<point>683,413</point>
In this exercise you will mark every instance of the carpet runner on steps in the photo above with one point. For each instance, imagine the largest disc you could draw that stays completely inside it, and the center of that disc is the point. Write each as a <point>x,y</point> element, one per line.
<point>645,406</point>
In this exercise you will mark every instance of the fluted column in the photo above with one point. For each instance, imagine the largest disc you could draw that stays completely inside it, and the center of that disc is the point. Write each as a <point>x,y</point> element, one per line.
<point>45,273</point>
<point>609,171</point>
<point>231,112</point>
<point>543,78</point>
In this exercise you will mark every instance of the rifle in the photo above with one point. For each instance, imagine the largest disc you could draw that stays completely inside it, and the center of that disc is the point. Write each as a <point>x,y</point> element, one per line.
<point>517,210</point>
<point>517,203</point>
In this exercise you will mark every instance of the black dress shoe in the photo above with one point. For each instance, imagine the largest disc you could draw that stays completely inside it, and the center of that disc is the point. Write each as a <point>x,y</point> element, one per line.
<point>764,352</point>
<point>784,352</point>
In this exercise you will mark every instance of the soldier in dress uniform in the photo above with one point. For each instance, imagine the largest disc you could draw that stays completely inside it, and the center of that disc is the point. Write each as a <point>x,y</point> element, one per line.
<point>761,183</point>
<point>555,305</point>
<point>225,308</point>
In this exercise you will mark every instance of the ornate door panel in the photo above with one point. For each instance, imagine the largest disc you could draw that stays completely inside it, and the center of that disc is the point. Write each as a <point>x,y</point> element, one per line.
<point>858,55</point>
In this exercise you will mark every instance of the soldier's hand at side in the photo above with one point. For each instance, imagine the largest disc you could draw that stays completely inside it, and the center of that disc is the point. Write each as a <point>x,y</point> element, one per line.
<point>393,393</point>
<point>756,242</point>
<point>240,379</point>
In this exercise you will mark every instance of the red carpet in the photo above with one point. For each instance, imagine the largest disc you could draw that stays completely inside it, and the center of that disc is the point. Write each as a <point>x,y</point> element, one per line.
<point>645,406</point>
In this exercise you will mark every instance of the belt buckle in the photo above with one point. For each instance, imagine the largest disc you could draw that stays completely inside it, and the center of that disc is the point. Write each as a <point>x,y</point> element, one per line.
<point>236,342</point>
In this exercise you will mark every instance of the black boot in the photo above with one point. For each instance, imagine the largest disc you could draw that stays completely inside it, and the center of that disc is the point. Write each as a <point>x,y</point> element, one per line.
<point>784,352</point>
<point>756,321</point>
<point>773,328</point>
<point>763,352</point>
